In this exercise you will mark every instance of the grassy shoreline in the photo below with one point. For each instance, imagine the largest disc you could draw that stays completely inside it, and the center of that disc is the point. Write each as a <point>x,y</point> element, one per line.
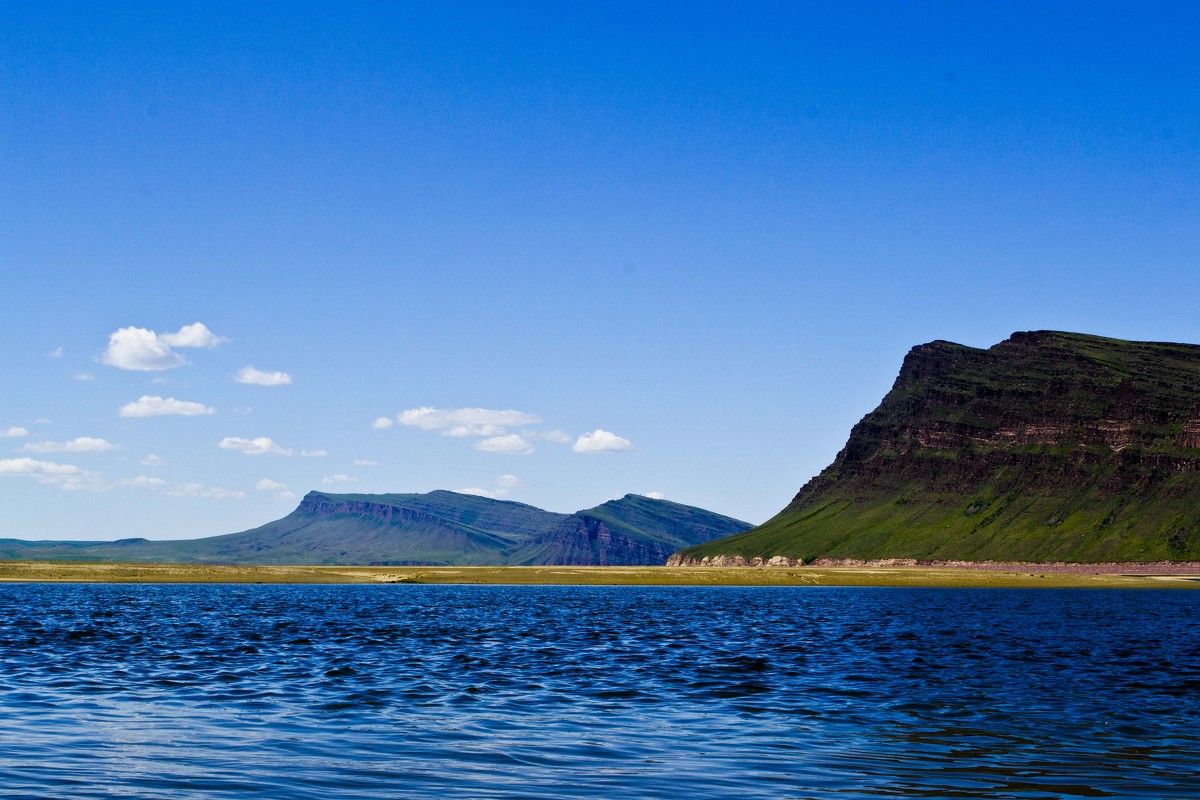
<point>1026,576</point>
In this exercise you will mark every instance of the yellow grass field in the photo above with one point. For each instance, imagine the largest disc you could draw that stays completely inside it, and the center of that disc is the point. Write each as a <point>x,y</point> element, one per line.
<point>1027,576</point>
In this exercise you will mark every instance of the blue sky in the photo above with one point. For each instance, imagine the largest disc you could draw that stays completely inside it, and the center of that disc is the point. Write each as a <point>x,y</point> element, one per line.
<point>684,246</point>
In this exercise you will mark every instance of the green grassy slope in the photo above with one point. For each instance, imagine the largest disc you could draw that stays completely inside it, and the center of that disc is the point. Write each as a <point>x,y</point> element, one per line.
<point>1046,447</point>
<point>633,530</point>
<point>438,528</point>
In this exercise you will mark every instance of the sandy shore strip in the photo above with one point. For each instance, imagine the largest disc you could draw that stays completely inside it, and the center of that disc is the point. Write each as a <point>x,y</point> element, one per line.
<point>991,576</point>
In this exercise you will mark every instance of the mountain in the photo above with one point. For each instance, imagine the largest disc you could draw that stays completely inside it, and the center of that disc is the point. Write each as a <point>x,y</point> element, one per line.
<point>1046,447</point>
<point>438,528</point>
<point>632,530</point>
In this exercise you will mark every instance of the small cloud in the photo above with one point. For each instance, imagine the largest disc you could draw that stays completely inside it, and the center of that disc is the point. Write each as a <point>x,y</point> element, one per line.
<point>511,444</point>
<point>68,477</point>
<point>194,335</point>
<point>142,482</point>
<point>82,444</point>
<point>465,421</point>
<point>262,446</point>
<point>56,352</point>
<point>504,485</point>
<point>39,469</point>
<point>365,462</point>
<point>84,376</point>
<point>42,421</point>
<point>143,350</point>
<point>153,461</point>
<point>339,478</point>
<point>280,490</point>
<point>155,406</point>
<point>549,436</point>
<point>600,441</point>
<point>460,431</point>
<point>259,378</point>
<point>655,495</point>
<point>382,422</point>
<point>14,432</point>
<point>200,490</point>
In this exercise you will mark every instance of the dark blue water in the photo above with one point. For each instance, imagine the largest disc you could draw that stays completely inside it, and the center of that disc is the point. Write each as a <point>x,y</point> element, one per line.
<point>441,691</point>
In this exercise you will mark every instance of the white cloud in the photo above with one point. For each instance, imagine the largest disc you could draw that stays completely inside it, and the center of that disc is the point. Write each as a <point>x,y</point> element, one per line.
<point>144,350</point>
<point>365,462</point>
<point>600,441</point>
<point>14,432</point>
<point>339,478</point>
<point>259,378</point>
<point>152,461</point>
<point>460,431</point>
<point>194,335</point>
<point>281,491</point>
<point>84,376</point>
<point>200,490</point>
<point>655,495</point>
<point>142,482</point>
<point>262,446</point>
<point>30,467</point>
<point>81,444</point>
<point>504,485</point>
<point>67,476</point>
<point>155,406</point>
<point>465,421</point>
<point>549,436</point>
<point>43,421</point>
<point>382,422</point>
<point>511,444</point>
<point>56,352</point>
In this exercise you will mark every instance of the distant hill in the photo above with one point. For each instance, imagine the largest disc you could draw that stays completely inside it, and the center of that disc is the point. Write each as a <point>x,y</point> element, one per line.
<point>438,528</point>
<point>1046,447</point>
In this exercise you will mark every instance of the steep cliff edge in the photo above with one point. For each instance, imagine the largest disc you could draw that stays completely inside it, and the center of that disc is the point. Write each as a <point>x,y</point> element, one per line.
<point>1046,447</point>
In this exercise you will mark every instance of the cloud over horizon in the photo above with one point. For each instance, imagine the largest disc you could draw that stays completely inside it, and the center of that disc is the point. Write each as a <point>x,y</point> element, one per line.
<point>143,350</point>
<point>279,489</point>
<point>460,422</point>
<point>512,444</point>
<point>155,406</point>
<point>200,490</point>
<point>601,441</point>
<point>81,444</point>
<point>263,446</point>
<point>257,377</point>
<point>504,485</point>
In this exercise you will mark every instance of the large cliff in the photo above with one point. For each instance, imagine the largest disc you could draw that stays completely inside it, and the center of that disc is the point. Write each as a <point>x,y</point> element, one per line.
<point>1046,447</point>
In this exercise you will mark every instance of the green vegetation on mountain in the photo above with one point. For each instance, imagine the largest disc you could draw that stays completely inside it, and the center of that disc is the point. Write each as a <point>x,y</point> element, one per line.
<point>438,528</point>
<point>1046,447</point>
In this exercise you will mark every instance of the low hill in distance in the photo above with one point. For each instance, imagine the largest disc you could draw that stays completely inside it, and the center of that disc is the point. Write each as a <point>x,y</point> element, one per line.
<point>1046,447</point>
<point>435,529</point>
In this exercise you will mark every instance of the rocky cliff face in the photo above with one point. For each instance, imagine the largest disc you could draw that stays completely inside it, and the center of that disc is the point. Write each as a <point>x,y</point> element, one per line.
<point>1047,446</point>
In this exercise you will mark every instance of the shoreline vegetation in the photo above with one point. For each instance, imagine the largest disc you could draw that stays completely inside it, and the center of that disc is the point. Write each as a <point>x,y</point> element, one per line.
<point>956,575</point>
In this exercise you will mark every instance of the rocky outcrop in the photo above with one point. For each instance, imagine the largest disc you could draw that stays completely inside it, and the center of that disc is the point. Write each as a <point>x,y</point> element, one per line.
<point>1047,446</point>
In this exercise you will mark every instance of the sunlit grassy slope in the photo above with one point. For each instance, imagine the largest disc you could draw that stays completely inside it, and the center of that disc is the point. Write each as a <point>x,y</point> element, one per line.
<point>1048,446</point>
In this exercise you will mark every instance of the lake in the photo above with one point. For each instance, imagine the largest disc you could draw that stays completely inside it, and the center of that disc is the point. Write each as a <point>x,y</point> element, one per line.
<point>223,691</point>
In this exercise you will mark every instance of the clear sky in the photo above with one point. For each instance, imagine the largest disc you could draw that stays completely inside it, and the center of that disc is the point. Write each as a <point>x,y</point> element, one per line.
<point>684,247</point>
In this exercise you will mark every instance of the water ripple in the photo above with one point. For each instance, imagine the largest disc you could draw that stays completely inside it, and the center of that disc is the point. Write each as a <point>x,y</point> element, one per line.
<point>572,692</point>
